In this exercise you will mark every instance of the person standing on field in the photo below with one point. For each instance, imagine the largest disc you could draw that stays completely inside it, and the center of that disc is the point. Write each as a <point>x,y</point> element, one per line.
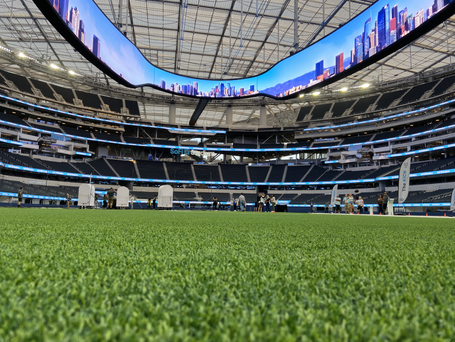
<point>386,202</point>
<point>19,196</point>
<point>338,204</point>
<point>273,201</point>
<point>68,200</point>
<point>346,205</point>
<point>242,202</point>
<point>380,203</point>
<point>110,195</point>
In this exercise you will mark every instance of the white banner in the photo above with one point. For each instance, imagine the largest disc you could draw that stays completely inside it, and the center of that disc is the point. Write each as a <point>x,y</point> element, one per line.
<point>403,183</point>
<point>452,201</point>
<point>334,195</point>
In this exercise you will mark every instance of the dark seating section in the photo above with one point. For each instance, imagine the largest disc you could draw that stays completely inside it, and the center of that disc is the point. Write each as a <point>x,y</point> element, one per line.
<point>221,196</point>
<point>325,143</point>
<point>102,167</point>
<point>305,198</point>
<point>441,164</point>
<point>267,145</point>
<point>276,174</point>
<point>60,166</point>
<point>296,173</point>
<point>134,140</point>
<point>234,173</point>
<point>417,129</point>
<point>165,142</point>
<point>320,110</point>
<point>66,93</point>
<point>37,189</point>
<point>340,107</point>
<point>85,168</point>
<point>207,173</point>
<point>304,111</point>
<point>258,173</point>
<point>382,171</point>
<point>284,197</point>
<point>115,105</point>
<point>124,168</point>
<point>19,81</point>
<point>387,98</point>
<point>108,137</point>
<point>415,93</point>
<point>44,88</point>
<point>314,174</point>
<point>181,171</point>
<point>133,107</point>
<point>348,175</point>
<point>356,140</point>
<point>89,100</point>
<point>329,175</point>
<point>237,145</point>
<point>443,86</point>
<point>51,128</point>
<point>13,119</point>
<point>388,135</point>
<point>362,104</point>
<point>184,196</point>
<point>19,159</point>
<point>151,169</point>
<point>77,132</point>
<point>250,198</point>
<point>2,81</point>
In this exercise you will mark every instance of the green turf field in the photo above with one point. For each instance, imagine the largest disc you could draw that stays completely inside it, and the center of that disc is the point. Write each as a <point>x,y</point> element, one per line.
<point>90,275</point>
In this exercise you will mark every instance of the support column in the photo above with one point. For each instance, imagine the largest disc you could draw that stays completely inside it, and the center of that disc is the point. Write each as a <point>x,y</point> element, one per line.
<point>229,115</point>
<point>262,116</point>
<point>172,113</point>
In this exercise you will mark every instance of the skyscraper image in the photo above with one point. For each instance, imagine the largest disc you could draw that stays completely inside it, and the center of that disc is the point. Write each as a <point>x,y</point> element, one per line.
<point>96,47</point>
<point>163,84</point>
<point>359,48</point>
<point>339,63</point>
<point>63,9</point>
<point>319,68</point>
<point>74,20</point>
<point>81,34</point>
<point>384,27</point>
<point>366,39</point>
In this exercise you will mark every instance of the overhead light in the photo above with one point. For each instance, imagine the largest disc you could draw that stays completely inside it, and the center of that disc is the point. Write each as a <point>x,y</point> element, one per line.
<point>21,55</point>
<point>316,93</point>
<point>53,66</point>
<point>71,72</point>
<point>365,85</point>
<point>344,89</point>
<point>301,95</point>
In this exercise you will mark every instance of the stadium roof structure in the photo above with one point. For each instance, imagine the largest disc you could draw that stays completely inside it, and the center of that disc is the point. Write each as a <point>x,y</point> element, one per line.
<point>217,39</point>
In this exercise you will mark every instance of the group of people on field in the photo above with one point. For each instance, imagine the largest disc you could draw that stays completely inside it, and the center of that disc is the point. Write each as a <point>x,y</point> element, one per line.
<point>354,205</point>
<point>264,202</point>
<point>351,204</point>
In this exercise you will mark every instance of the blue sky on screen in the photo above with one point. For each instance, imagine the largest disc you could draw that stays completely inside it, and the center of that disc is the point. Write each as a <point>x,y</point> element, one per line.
<point>125,59</point>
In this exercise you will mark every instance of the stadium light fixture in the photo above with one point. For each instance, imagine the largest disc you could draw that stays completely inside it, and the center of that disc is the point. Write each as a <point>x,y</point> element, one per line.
<point>53,66</point>
<point>344,89</point>
<point>365,85</point>
<point>71,72</point>
<point>301,95</point>
<point>21,55</point>
<point>316,93</point>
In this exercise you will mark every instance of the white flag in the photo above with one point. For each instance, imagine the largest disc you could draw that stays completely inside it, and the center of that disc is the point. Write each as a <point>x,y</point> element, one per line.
<point>334,195</point>
<point>403,182</point>
<point>452,201</point>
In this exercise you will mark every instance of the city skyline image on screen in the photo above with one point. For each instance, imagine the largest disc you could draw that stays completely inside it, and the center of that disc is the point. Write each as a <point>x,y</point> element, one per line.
<point>372,31</point>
